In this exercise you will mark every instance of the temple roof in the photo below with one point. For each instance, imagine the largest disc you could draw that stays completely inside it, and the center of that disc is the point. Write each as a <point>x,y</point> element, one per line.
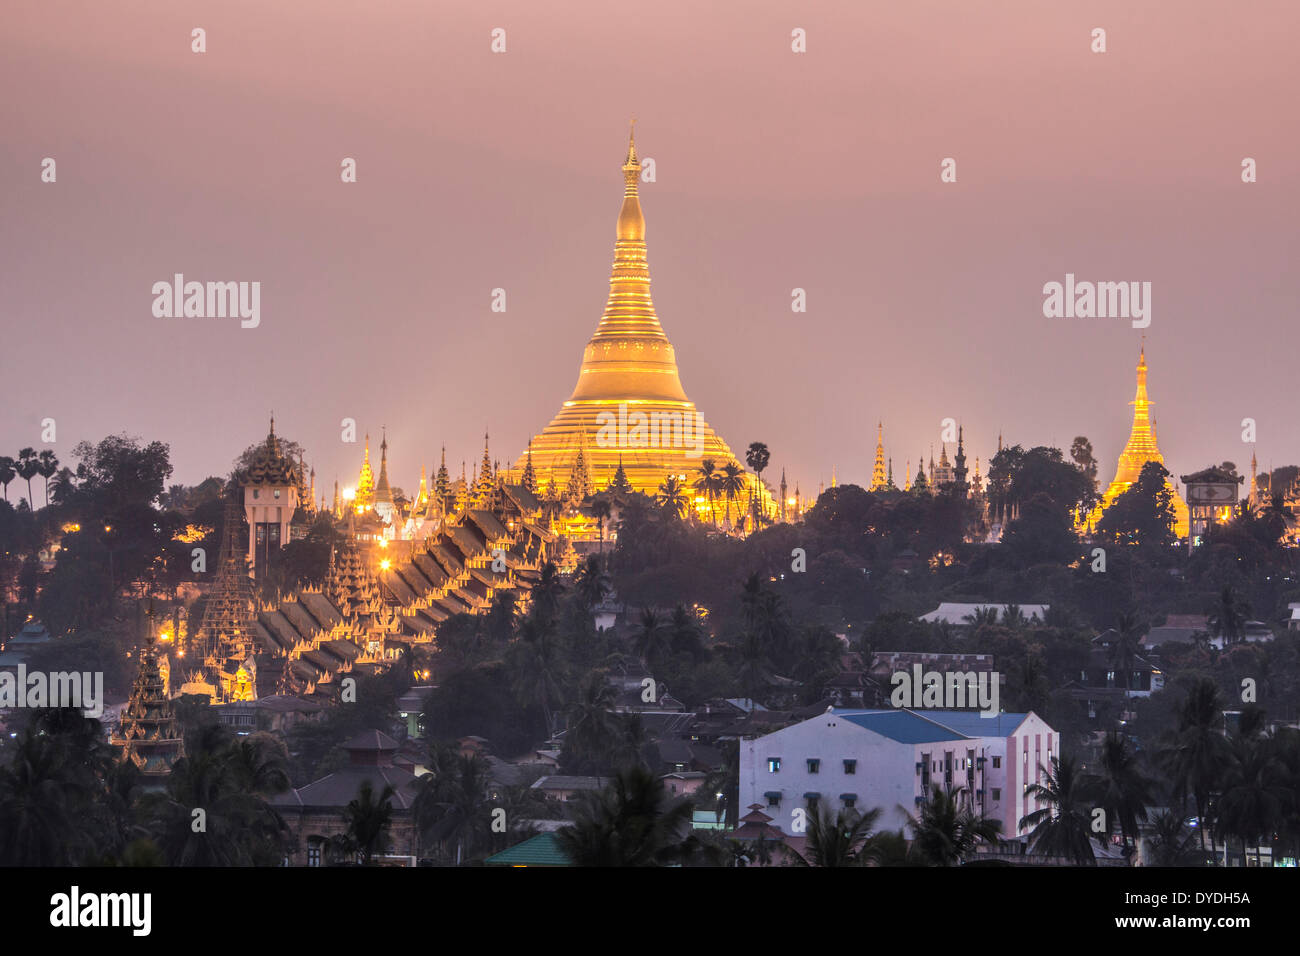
<point>269,465</point>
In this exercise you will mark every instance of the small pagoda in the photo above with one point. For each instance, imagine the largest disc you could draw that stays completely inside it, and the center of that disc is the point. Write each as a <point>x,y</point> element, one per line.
<point>149,735</point>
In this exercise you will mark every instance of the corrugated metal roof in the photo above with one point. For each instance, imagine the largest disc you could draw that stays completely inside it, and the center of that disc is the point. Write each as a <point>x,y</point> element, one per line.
<point>902,725</point>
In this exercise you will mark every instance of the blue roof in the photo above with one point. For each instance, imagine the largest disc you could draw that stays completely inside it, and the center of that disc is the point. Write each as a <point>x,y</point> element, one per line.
<point>905,726</point>
<point>972,724</point>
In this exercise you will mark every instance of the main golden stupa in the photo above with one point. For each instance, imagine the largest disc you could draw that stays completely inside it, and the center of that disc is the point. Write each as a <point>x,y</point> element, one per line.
<point>1141,448</point>
<point>628,407</point>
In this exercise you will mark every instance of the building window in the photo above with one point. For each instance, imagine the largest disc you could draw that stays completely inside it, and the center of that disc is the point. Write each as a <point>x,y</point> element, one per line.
<point>773,764</point>
<point>997,793</point>
<point>773,800</point>
<point>997,763</point>
<point>277,492</point>
<point>313,854</point>
<point>850,802</point>
<point>850,766</point>
<point>256,494</point>
<point>814,765</point>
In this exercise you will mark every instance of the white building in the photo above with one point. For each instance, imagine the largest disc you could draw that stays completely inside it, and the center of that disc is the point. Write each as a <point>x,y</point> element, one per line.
<point>890,758</point>
<point>956,615</point>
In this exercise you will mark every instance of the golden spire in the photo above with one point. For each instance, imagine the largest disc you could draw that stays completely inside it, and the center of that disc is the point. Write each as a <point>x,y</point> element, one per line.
<point>879,478</point>
<point>628,399</point>
<point>629,357</point>
<point>1140,449</point>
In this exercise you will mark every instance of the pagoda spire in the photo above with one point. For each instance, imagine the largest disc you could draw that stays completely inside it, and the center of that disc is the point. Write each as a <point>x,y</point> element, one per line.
<point>1140,449</point>
<point>529,479</point>
<point>879,478</point>
<point>366,480</point>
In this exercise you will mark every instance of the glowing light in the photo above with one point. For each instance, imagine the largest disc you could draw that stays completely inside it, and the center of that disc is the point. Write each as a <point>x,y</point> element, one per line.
<point>349,494</point>
<point>385,564</point>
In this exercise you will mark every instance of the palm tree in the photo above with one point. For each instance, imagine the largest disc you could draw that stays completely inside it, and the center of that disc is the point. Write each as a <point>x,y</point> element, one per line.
<point>1123,652</point>
<point>724,785</point>
<point>64,485</point>
<point>452,807</point>
<point>600,510</point>
<point>1275,516</point>
<point>632,822</point>
<point>1170,843</point>
<point>227,780</point>
<point>1063,827</point>
<point>1197,751</point>
<point>673,498</point>
<point>42,807</point>
<point>947,830</point>
<point>651,640</point>
<point>591,583</point>
<point>592,734</point>
<point>981,617</point>
<point>1124,792</point>
<point>29,467</point>
<point>707,484</point>
<point>47,466</point>
<point>1228,619</point>
<point>685,633</point>
<point>844,840</point>
<point>546,593</point>
<point>731,483</point>
<point>7,473</point>
<point>1013,617</point>
<point>538,669</point>
<point>757,457</point>
<point>1255,796</point>
<point>368,820</point>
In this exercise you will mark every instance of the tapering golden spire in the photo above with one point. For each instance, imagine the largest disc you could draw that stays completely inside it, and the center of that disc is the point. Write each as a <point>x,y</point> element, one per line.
<point>1140,449</point>
<point>629,357</point>
<point>879,477</point>
<point>628,400</point>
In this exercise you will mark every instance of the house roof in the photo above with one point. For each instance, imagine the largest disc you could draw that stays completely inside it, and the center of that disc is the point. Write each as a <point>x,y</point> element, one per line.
<point>903,726</point>
<point>911,727</point>
<point>954,613</point>
<point>971,723</point>
<point>371,740</point>
<point>558,781</point>
<point>541,850</point>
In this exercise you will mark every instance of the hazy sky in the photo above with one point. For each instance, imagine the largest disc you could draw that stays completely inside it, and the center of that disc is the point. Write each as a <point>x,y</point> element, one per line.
<point>775,170</point>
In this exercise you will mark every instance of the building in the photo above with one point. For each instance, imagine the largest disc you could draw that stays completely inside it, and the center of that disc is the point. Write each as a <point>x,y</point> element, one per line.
<point>962,615</point>
<point>270,484</point>
<point>628,407</point>
<point>1211,499</point>
<point>864,759</point>
<point>315,813</point>
<point>1140,449</point>
<point>149,735</point>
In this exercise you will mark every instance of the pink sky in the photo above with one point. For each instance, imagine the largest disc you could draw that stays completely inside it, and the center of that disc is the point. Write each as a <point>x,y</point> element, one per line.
<point>774,171</point>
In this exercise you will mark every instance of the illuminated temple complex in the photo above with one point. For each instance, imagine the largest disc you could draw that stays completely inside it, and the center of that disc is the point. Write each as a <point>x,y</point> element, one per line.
<point>628,407</point>
<point>1141,448</point>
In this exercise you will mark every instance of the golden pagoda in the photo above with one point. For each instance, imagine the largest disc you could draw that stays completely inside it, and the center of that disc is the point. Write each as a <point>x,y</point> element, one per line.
<point>1141,448</point>
<point>628,403</point>
<point>365,495</point>
<point>879,475</point>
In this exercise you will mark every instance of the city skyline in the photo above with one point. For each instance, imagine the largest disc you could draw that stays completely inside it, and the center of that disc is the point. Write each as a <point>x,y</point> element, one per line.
<point>924,298</point>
